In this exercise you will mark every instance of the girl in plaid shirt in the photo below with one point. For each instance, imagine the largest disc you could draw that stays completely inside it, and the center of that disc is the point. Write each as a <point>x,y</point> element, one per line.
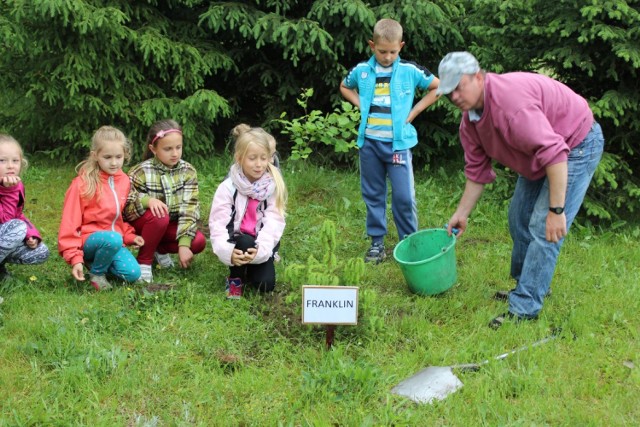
<point>163,203</point>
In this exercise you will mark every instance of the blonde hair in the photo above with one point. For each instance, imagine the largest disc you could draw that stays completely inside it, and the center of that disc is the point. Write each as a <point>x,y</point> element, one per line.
<point>245,135</point>
<point>154,130</point>
<point>387,29</point>
<point>89,169</point>
<point>8,139</point>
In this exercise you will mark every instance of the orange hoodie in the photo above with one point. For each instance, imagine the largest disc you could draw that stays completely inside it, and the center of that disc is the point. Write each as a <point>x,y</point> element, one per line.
<point>81,217</point>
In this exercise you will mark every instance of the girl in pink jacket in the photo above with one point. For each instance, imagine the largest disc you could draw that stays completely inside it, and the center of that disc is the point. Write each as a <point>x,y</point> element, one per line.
<point>247,213</point>
<point>20,241</point>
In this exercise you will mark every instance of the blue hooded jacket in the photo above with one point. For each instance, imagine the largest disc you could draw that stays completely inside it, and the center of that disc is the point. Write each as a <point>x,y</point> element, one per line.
<point>406,76</point>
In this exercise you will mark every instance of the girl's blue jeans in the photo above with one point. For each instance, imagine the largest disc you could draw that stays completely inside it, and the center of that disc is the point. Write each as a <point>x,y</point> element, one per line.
<point>104,251</point>
<point>533,258</point>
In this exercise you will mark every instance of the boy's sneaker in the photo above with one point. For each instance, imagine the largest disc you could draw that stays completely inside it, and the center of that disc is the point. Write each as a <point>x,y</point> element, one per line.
<point>234,288</point>
<point>99,282</point>
<point>146,274</point>
<point>376,253</point>
<point>164,260</point>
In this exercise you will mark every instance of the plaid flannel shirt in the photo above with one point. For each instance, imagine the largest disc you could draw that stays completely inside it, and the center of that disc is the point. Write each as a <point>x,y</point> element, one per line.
<point>177,187</point>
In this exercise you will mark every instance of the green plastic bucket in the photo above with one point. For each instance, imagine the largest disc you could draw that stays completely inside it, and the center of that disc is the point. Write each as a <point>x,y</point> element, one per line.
<point>427,259</point>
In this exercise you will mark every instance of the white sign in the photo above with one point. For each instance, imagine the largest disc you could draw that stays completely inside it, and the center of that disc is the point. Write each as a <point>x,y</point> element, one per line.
<point>330,305</point>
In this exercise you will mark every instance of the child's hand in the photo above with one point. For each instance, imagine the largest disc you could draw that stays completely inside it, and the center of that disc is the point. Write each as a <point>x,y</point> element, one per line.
<point>138,242</point>
<point>185,256</point>
<point>238,257</point>
<point>251,254</point>
<point>158,208</point>
<point>77,271</point>
<point>10,180</point>
<point>32,242</point>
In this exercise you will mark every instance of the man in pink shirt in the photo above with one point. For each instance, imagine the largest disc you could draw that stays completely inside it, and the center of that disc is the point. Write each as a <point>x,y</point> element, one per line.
<point>545,132</point>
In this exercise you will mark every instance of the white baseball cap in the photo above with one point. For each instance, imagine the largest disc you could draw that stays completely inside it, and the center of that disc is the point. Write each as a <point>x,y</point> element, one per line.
<point>451,69</point>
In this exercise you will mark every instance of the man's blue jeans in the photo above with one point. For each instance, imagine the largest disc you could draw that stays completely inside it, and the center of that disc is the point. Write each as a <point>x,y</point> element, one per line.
<point>533,259</point>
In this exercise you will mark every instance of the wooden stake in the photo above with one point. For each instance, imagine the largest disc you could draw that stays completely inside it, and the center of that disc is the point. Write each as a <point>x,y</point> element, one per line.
<point>330,333</point>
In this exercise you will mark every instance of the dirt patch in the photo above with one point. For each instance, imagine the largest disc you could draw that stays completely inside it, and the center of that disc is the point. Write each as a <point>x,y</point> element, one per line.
<point>158,287</point>
<point>229,363</point>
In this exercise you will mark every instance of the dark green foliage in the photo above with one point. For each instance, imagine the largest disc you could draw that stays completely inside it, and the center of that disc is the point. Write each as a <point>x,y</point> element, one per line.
<point>594,47</point>
<point>70,66</point>
<point>282,47</point>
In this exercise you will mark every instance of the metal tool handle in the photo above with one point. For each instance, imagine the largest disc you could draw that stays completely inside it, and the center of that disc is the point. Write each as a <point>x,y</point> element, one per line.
<point>476,366</point>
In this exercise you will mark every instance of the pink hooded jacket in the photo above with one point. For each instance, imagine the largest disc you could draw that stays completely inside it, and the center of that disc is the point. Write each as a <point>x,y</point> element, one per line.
<point>269,228</point>
<point>11,205</point>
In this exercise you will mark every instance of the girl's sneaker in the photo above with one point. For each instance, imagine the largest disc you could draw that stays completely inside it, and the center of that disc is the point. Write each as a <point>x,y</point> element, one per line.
<point>234,288</point>
<point>99,282</point>
<point>164,260</point>
<point>146,274</point>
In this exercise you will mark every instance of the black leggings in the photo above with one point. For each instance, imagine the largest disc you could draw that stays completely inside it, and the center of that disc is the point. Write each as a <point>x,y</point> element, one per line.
<point>261,276</point>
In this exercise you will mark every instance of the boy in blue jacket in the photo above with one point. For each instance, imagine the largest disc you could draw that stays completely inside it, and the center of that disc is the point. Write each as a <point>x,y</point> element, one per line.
<point>383,88</point>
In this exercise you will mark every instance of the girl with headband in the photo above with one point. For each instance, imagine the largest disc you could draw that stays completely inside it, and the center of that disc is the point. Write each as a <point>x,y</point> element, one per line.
<point>163,203</point>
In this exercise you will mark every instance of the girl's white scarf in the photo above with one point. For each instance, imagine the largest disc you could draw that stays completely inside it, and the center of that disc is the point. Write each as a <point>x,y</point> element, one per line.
<point>260,189</point>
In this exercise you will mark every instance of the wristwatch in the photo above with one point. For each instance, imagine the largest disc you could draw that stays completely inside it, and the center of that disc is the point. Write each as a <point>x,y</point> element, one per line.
<point>557,210</point>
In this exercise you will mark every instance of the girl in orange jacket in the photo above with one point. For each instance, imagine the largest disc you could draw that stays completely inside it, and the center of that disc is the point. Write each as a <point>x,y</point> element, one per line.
<point>92,230</point>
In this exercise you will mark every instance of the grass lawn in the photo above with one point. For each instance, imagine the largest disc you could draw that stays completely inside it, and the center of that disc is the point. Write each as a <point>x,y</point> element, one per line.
<point>71,356</point>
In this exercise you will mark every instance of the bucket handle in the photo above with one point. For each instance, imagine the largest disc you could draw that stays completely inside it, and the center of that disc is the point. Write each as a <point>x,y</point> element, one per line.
<point>454,230</point>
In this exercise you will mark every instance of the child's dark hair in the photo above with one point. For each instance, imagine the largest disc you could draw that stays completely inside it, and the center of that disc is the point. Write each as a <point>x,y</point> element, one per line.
<point>157,131</point>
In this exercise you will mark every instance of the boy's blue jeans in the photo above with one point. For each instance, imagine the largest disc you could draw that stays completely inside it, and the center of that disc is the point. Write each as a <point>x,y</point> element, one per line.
<point>377,162</point>
<point>533,258</point>
<point>104,250</point>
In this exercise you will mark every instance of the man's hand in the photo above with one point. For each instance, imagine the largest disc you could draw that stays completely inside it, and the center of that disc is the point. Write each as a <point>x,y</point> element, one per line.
<point>556,227</point>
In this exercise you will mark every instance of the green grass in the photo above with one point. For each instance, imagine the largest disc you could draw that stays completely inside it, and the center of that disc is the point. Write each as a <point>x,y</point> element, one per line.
<point>70,356</point>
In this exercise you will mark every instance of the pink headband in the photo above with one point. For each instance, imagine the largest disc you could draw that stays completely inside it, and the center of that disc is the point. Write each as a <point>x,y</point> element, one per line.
<point>163,133</point>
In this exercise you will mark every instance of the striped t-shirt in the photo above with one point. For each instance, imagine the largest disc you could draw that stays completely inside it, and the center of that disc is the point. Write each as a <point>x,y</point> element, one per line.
<point>379,125</point>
